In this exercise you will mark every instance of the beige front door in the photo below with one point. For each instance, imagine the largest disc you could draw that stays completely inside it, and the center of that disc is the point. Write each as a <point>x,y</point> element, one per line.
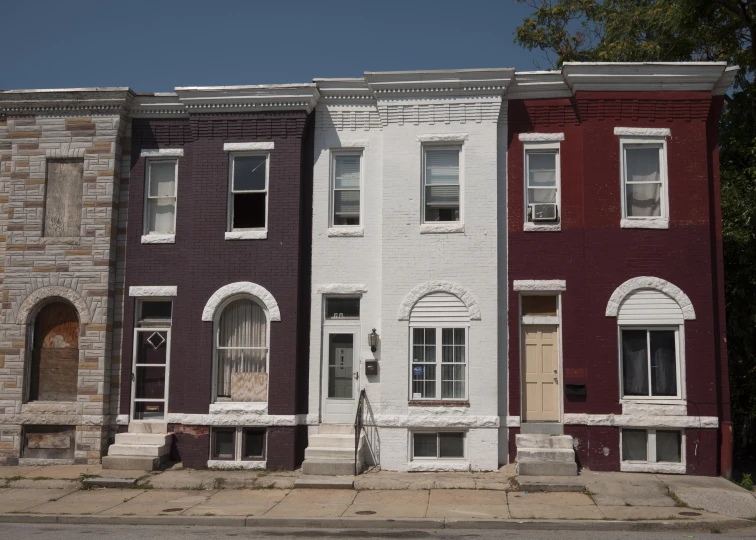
<point>540,373</point>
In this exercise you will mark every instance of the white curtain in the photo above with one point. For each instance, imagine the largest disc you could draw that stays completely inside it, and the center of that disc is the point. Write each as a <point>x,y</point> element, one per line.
<point>242,342</point>
<point>161,206</point>
<point>642,165</point>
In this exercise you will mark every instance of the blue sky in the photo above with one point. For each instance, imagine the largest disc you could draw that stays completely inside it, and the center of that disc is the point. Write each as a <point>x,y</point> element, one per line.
<point>157,45</point>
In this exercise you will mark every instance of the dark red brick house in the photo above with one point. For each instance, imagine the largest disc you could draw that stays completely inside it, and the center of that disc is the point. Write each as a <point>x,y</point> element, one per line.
<point>616,309</point>
<point>216,314</point>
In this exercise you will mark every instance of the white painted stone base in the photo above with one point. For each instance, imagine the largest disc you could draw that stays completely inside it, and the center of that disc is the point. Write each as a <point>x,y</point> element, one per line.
<point>36,462</point>
<point>661,468</point>
<point>231,465</point>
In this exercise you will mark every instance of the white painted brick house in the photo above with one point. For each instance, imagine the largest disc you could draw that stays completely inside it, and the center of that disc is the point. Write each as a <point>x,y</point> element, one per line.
<point>414,256</point>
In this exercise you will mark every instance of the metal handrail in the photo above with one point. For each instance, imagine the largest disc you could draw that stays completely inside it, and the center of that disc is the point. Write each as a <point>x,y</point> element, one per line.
<point>358,427</point>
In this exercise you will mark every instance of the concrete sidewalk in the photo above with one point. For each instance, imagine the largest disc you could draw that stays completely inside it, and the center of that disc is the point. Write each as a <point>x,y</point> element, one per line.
<point>62,494</point>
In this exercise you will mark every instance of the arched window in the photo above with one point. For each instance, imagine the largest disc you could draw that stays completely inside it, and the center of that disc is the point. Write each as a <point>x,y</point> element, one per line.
<point>241,352</point>
<point>54,354</point>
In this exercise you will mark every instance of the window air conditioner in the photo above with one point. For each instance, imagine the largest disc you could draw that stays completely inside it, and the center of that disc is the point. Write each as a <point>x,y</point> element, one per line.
<point>542,211</point>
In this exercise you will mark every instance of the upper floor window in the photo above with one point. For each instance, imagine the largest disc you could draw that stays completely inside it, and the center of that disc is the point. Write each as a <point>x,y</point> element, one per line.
<point>441,182</point>
<point>63,192</point>
<point>241,351</point>
<point>160,217</point>
<point>248,203</point>
<point>542,177</point>
<point>644,180</point>
<point>346,189</point>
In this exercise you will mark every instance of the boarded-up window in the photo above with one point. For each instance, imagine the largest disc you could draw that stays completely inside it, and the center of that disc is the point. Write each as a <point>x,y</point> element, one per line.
<point>63,197</point>
<point>55,354</point>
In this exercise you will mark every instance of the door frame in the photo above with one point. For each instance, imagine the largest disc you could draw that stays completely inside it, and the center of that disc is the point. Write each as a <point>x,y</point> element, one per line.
<point>338,327</point>
<point>135,351</point>
<point>542,320</point>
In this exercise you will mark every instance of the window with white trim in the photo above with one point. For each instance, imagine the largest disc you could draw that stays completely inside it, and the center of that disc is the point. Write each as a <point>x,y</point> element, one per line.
<point>238,444</point>
<point>441,183</point>
<point>439,363</point>
<point>345,194</point>
<point>248,194</point>
<point>652,445</point>
<point>160,208</point>
<point>650,362</point>
<point>241,352</point>
<point>438,445</point>
<point>644,179</point>
<point>542,182</point>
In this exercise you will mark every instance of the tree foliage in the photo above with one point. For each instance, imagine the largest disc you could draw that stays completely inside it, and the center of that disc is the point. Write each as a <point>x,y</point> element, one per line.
<point>684,30</point>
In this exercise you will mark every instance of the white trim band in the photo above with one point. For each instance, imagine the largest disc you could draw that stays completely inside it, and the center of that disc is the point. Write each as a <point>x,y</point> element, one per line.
<point>643,132</point>
<point>346,232</point>
<point>162,152</point>
<point>442,228</point>
<point>541,137</point>
<point>248,146</point>
<point>222,464</point>
<point>548,285</point>
<point>640,420</point>
<point>158,290</point>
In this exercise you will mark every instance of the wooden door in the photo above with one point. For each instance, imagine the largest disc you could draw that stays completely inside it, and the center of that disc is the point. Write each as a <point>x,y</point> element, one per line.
<point>540,373</point>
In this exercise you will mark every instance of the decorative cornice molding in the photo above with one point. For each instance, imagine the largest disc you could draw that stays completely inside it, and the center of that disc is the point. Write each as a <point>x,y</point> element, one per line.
<point>439,84</point>
<point>725,81</point>
<point>538,85</point>
<point>66,101</point>
<point>213,99</point>
<point>642,76</point>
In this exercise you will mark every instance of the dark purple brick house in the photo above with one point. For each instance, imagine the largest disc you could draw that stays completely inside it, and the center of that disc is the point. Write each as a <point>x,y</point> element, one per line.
<point>216,318</point>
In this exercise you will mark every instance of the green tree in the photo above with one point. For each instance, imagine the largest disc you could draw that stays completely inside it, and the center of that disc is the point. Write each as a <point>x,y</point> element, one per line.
<point>683,30</point>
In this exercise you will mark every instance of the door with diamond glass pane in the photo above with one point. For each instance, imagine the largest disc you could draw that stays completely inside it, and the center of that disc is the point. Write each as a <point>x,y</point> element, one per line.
<point>150,374</point>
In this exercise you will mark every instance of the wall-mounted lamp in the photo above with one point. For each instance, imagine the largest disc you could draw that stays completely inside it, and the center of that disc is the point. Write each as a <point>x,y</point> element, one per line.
<point>373,340</point>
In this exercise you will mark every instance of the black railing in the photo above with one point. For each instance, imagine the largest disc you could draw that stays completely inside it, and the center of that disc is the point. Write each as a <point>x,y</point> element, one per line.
<point>358,427</point>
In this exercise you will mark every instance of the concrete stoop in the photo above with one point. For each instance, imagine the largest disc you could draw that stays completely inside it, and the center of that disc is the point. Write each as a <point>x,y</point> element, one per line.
<point>330,452</point>
<point>545,455</point>
<point>145,447</point>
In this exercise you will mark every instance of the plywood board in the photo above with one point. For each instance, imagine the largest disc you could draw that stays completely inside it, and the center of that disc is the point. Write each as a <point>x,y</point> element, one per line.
<point>63,197</point>
<point>249,387</point>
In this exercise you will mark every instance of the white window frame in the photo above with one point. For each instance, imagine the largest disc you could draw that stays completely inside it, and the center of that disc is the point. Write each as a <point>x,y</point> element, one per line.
<point>238,445</point>
<point>645,222</point>
<point>439,362</point>
<point>545,147</point>
<point>411,449</point>
<point>216,337</point>
<point>651,464</point>
<point>147,234</point>
<point>341,321</point>
<point>346,152</point>
<point>443,226</point>
<point>679,340</point>
<point>231,192</point>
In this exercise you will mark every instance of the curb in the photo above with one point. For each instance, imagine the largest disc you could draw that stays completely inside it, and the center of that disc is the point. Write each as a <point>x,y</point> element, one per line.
<point>386,523</point>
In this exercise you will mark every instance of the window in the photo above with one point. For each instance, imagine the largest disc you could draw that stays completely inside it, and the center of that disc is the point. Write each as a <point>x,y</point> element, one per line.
<point>160,217</point>
<point>151,358</point>
<point>54,344</point>
<point>653,445</point>
<point>441,184</point>
<point>63,192</point>
<point>342,307</point>
<point>346,189</point>
<point>238,444</point>
<point>450,364</point>
<point>542,178</point>
<point>242,352</point>
<point>650,363</point>
<point>441,445</point>
<point>644,179</point>
<point>249,192</point>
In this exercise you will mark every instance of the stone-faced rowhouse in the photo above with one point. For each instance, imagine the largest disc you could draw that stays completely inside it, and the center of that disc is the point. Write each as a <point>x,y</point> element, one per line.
<point>218,273</point>
<point>62,271</point>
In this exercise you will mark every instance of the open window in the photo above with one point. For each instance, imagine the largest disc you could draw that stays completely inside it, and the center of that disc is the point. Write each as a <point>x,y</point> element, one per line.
<point>248,197</point>
<point>241,352</point>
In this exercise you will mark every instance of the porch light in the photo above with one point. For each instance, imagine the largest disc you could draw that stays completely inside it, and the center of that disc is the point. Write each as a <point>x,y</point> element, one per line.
<point>373,340</point>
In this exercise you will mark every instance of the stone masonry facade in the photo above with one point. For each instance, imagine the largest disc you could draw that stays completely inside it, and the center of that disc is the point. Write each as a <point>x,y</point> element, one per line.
<point>85,271</point>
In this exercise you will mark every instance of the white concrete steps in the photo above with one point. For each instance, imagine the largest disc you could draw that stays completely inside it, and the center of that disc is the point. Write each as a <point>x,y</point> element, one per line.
<point>143,447</point>
<point>330,452</point>
<point>545,455</point>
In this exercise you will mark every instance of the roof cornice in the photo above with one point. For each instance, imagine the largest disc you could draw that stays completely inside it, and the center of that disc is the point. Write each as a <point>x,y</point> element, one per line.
<point>725,81</point>
<point>538,85</point>
<point>345,91</point>
<point>642,76</point>
<point>259,98</point>
<point>439,84</point>
<point>64,101</point>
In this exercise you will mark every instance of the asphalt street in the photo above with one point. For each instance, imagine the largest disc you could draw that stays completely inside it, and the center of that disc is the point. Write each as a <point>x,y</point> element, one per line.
<point>30,531</point>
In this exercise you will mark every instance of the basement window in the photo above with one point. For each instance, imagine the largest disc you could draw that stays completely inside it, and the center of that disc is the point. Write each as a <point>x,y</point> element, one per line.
<point>652,446</point>
<point>439,445</point>
<point>238,444</point>
<point>248,197</point>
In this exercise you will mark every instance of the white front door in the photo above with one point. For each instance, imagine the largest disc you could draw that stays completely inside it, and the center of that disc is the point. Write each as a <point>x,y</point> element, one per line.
<point>149,374</point>
<point>340,374</point>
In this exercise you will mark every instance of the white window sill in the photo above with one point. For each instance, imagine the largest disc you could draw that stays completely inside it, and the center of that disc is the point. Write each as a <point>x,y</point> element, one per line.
<point>652,223</point>
<point>662,468</point>
<point>439,465</point>
<point>442,228</point>
<point>246,235</point>
<point>158,238</point>
<point>230,465</point>
<point>541,227</point>
<point>245,407</point>
<point>350,232</point>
